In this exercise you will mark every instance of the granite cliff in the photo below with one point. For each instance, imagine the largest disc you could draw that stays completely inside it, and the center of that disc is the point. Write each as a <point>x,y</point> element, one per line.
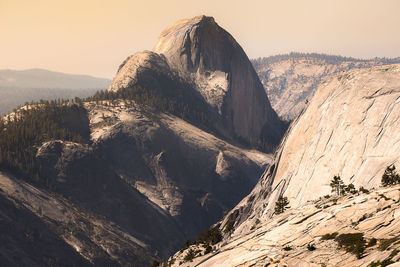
<point>348,129</point>
<point>207,58</point>
<point>291,80</point>
<point>159,157</point>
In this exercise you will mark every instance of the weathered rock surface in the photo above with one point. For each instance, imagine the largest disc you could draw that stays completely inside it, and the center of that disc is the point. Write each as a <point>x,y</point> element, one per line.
<point>214,65</point>
<point>348,129</point>
<point>291,80</point>
<point>155,176</point>
<point>375,215</point>
<point>140,68</point>
<point>40,228</point>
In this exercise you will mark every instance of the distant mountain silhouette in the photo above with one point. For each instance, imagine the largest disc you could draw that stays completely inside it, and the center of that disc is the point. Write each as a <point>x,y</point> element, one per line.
<point>41,78</point>
<point>20,86</point>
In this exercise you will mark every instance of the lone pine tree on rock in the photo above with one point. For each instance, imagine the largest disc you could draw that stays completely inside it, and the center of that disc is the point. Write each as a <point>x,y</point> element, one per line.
<point>390,176</point>
<point>337,185</point>
<point>281,205</point>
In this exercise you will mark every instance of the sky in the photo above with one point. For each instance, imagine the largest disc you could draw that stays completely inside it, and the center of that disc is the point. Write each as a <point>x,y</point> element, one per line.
<point>94,36</point>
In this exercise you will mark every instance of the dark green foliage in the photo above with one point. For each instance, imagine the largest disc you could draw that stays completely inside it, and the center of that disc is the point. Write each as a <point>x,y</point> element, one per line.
<point>340,189</point>
<point>372,242</point>
<point>281,205</point>
<point>329,236</point>
<point>229,227</point>
<point>350,189</point>
<point>353,243</point>
<point>166,93</point>
<point>311,247</point>
<point>210,236</point>
<point>330,59</point>
<point>385,262</point>
<point>390,176</point>
<point>22,134</point>
<point>208,249</point>
<point>187,243</point>
<point>394,253</point>
<point>190,255</point>
<point>363,190</point>
<point>337,185</point>
<point>156,263</point>
<point>287,248</point>
<point>385,243</point>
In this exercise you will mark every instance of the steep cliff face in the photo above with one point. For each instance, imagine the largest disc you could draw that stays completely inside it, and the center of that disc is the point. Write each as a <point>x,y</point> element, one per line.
<point>350,128</point>
<point>211,63</point>
<point>291,80</point>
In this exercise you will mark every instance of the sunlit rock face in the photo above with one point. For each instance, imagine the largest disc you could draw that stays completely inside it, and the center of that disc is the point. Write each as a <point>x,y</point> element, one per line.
<point>208,58</point>
<point>350,128</point>
<point>291,80</point>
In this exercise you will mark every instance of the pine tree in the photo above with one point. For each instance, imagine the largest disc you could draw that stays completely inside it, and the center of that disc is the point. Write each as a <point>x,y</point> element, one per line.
<point>281,205</point>
<point>337,185</point>
<point>390,176</point>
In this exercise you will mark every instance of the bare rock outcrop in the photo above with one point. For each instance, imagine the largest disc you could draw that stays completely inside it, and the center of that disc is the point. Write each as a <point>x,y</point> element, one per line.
<point>211,63</point>
<point>291,80</point>
<point>305,236</point>
<point>350,128</point>
<point>154,175</point>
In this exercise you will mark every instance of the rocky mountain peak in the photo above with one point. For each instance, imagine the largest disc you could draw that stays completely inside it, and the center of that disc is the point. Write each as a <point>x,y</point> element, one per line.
<point>138,68</point>
<point>208,58</point>
<point>195,44</point>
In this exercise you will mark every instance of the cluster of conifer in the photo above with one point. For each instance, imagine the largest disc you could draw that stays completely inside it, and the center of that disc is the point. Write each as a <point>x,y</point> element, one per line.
<point>166,93</point>
<point>23,131</point>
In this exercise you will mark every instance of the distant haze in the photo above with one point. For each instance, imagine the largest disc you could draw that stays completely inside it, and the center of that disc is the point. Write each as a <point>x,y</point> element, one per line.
<point>95,36</point>
<point>18,87</point>
<point>40,78</point>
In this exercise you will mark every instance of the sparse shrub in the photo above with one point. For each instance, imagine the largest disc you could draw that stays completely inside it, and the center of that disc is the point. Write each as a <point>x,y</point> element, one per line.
<point>281,205</point>
<point>363,190</point>
<point>190,255</point>
<point>329,236</point>
<point>385,243</point>
<point>208,249</point>
<point>311,247</point>
<point>327,196</point>
<point>372,242</point>
<point>257,221</point>
<point>210,236</point>
<point>353,243</point>
<point>287,248</point>
<point>394,253</point>
<point>390,176</point>
<point>351,189</point>
<point>156,263</point>
<point>229,227</point>
<point>187,243</point>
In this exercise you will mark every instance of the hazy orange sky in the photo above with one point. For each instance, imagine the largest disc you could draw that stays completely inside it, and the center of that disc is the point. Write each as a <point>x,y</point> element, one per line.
<point>95,36</point>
